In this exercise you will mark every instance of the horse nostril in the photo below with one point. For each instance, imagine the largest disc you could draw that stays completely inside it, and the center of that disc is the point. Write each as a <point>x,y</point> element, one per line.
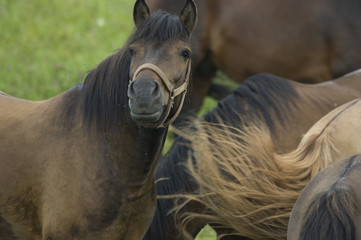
<point>156,90</point>
<point>131,88</point>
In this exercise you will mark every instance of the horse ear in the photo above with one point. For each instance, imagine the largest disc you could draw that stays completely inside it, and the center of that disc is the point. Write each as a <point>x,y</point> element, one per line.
<point>189,15</point>
<point>140,12</point>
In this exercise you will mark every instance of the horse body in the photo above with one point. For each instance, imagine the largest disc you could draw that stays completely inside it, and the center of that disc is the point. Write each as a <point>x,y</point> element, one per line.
<point>317,99</point>
<point>79,181</point>
<point>245,187</point>
<point>283,106</point>
<point>307,41</point>
<point>329,204</point>
<point>80,165</point>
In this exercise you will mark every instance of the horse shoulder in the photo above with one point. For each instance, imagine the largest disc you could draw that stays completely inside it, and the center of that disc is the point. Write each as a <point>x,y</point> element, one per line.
<point>28,141</point>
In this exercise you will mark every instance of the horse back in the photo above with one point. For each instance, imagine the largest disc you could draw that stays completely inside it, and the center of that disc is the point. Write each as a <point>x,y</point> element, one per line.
<point>323,97</point>
<point>14,114</point>
<point>288,104</point>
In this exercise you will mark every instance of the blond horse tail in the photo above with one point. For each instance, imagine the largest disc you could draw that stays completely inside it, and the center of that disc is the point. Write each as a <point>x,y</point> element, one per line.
<point>244,185</point>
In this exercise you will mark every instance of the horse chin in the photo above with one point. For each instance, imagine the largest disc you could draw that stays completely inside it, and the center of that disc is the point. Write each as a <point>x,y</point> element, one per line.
<point>148,120</point>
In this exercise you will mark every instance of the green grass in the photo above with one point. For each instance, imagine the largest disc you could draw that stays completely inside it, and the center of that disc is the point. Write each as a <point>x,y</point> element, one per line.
<point>48,46</point>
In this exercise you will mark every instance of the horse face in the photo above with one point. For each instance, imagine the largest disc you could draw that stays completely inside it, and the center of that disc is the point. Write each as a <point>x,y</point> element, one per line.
<point>159,70</point>
<point>150,92</point>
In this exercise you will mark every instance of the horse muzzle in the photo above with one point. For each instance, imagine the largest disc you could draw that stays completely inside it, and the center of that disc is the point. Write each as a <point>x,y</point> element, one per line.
<point>146,100</point>
<point>148,104</point>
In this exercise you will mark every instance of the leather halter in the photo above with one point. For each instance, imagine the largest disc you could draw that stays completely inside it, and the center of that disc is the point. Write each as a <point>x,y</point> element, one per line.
<point>173,92</point>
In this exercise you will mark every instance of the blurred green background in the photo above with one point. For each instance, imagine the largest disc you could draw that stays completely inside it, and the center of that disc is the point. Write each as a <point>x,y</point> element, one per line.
<point>48,46</point>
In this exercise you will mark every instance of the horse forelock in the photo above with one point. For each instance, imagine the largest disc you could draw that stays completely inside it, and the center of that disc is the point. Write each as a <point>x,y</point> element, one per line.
<point>160,27</point>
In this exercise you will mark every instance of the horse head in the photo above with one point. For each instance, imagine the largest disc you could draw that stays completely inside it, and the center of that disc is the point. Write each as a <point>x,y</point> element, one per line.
<point>160,64</point>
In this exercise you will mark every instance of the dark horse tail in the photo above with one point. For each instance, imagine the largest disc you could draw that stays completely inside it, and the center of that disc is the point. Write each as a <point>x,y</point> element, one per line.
<point>330,216</point>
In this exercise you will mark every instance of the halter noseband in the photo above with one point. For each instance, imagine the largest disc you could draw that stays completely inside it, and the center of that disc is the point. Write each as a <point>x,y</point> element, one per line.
<point>173,92</point>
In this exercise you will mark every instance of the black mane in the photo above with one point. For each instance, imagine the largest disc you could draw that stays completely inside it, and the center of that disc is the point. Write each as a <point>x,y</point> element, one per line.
<point>257,97</point>
<point>105,88</point>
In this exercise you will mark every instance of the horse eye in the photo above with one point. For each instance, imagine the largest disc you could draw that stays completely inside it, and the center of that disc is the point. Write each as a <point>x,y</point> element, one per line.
<point>186,54</point>
<point>131,52</point>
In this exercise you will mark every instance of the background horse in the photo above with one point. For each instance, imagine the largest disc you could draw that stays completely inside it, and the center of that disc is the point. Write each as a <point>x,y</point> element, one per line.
<point>77,166</point>
<point>329,206</point>
<point>283,106</point>
<point>245,186</point>
<point>308,41</point>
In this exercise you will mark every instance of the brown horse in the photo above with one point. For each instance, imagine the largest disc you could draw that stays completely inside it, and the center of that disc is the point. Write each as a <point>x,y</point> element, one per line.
<point>80,165</point>
<point>287,108</point>
<point>329,206</point>
<point>308,41</point>
<point>246,187</point>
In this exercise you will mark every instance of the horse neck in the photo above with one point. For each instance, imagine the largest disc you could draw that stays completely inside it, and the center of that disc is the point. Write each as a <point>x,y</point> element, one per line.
<point>137,149</point>
<point>131,149</point>
<point>103,108</point>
